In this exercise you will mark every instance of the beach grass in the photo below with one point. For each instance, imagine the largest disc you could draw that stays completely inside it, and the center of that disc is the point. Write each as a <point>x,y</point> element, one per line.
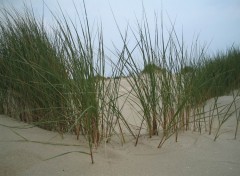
<point>55,79</point>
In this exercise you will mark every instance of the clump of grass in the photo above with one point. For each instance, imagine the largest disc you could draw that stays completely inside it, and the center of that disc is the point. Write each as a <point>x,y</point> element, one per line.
<point>174,85</point>
<point>55,79</point>
<point>219,74</point>
<point>156,88</point>
<point>31,71</point>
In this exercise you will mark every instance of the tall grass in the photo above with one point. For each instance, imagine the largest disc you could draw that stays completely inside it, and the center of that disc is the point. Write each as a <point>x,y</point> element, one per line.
<point>163,96</point>
<point>220,74</point>
<point>174,84</point>
<point>31,71</point>
<point>55,79</point>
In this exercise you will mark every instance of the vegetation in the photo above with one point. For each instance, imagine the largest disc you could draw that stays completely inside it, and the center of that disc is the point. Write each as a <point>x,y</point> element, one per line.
<point>52,80</point>
<point>220,74</point>
<point>55,80</point>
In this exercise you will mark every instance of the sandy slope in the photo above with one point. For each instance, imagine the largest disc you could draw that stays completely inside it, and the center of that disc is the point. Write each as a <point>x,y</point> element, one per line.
<point>24,150</point>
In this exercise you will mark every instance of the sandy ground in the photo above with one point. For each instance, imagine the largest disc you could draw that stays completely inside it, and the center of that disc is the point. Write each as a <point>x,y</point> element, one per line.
<point>26,151</point>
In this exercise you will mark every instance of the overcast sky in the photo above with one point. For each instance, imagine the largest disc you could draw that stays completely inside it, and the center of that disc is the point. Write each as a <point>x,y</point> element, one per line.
<point>217,22</point>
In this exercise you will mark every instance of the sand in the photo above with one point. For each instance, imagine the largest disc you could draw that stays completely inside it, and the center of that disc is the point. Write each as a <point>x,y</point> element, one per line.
<point>26,151</point>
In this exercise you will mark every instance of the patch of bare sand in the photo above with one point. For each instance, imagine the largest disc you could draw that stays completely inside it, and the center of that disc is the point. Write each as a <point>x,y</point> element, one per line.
<point>193,154</point>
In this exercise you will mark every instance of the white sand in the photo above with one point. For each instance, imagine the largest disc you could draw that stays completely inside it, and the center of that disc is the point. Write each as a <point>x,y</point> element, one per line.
<point>193,154</point>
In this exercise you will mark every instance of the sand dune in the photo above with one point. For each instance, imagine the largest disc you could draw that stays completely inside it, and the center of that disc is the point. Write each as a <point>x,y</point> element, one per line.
<point>25,150</point>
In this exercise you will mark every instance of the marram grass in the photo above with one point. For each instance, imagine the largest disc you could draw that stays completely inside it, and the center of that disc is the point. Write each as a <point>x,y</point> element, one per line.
<point>55,79</point>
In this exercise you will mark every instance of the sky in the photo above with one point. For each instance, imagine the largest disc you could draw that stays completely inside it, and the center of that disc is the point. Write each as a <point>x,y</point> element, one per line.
<point>215,22</point>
